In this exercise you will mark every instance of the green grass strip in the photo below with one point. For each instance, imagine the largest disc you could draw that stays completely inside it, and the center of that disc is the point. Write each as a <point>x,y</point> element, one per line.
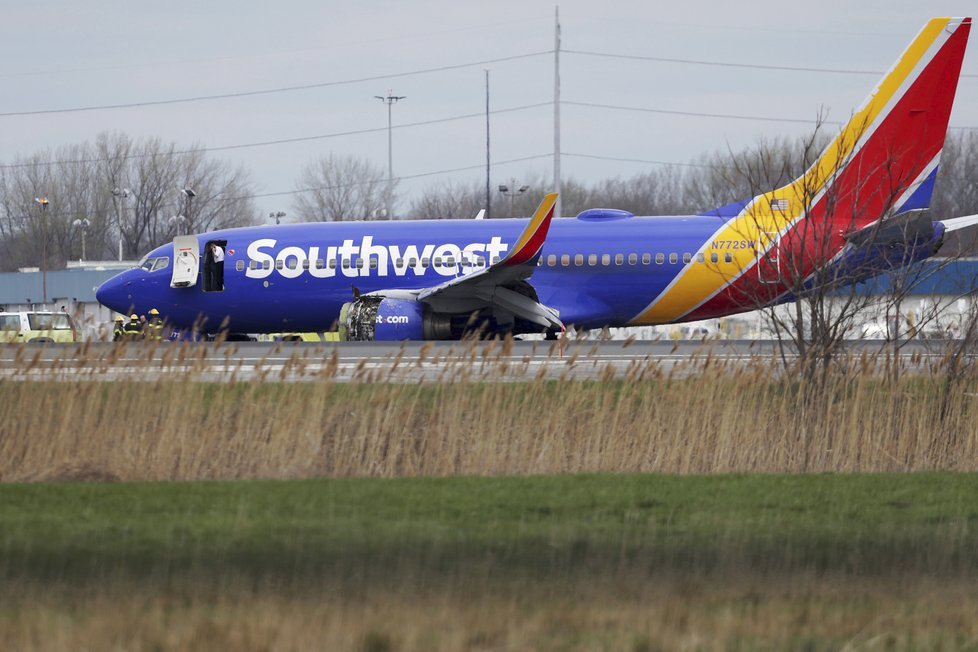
<point>528,526</point>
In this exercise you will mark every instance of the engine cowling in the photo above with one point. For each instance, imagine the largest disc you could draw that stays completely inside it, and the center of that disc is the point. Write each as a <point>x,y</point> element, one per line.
<point>381,319</point>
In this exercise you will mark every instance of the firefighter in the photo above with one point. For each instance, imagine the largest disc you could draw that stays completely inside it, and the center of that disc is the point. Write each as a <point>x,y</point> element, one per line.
<point>154,328</point>
<point>133,330</point>
<point>119,332</point>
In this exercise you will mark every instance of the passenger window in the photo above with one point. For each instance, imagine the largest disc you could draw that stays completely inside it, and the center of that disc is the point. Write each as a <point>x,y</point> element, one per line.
<point>292,264</point>
<point>687,257</point>
<point>346,263</point>
<point>592,260</point>
<point>412,262</point>
<point>605,259</point>
<point>279,264</point>
<point>728,257</point>
<point>373,263</point>
<point>359,263</point>
<point>699,258</point>
<point>673,258</point>
<point>565,260</point>
<point>240,265</point>
<point>399,262</point>
<point>253,264</point>
<point>425,261</point>
<point>619,259</point>
<point>714,258</point>
<point>267,264</point>
<point>578,260</point>
<point>632,259</point>
<point>660,258</point>
<point>495,259</point>
<point>437,261</point>
<point>551,260</point>
<point>646,259</point>
<point>305,264</point>
<point>319,263</point>
<point>332,263</point>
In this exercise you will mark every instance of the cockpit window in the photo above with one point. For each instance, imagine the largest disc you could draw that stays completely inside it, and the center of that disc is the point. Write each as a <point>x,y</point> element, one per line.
<point>154,264</point>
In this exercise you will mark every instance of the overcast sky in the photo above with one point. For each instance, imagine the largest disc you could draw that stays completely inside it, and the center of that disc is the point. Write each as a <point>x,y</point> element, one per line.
<point>63,55</point>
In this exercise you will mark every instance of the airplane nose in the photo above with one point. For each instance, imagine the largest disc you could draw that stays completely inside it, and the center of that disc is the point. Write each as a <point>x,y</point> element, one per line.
<point>114,293</point>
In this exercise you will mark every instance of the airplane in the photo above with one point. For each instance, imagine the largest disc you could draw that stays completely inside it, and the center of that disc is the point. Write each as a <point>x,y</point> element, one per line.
<point>854,213</point>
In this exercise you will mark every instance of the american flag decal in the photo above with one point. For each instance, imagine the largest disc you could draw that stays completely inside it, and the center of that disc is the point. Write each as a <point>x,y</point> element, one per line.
<point>779,204</point>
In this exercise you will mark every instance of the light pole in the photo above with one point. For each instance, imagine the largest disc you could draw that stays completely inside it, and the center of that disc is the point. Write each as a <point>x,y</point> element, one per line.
<point>277,216</point>
<point>390,99</point>
<point>43,201</point>
<point>189,194</point>
<point>82,224</point>
<point>177,221</point>
<point>123,194</point>
<point>512,190</point>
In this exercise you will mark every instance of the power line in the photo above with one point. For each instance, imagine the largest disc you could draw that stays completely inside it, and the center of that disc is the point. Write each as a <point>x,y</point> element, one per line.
<point>301,87</point>
<point>281,141</point>
<point>696,114</point>
<point>729,116</point>
<point>421,123</point>
<point>298,191</point>
<point>420,175</point>
<point>730,64</point>
<point>270,91</point>
<point>639,160</point>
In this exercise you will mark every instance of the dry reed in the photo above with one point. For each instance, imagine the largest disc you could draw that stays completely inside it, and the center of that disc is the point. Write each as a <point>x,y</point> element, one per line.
<point>699,417</point>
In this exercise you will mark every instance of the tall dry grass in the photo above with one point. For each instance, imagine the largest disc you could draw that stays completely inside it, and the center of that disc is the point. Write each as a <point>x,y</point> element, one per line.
<point>703,417</point>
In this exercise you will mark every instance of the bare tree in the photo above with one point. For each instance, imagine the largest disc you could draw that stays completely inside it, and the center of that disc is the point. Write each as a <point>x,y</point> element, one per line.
<point>338,188</point>
<point>144,182</point>
<point>449,200</point>
<point>77,182</point>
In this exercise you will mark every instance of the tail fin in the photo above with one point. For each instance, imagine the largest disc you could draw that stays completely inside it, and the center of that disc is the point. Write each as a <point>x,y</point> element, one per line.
<point>885,158</point>
<point>882,162</point>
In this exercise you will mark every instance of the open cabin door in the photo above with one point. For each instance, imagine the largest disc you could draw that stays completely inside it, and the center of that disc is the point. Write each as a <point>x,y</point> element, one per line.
<point>186,261</point>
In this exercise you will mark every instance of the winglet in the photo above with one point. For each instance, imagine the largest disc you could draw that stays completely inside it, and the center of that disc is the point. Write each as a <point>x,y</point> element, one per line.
<point>531,240</point>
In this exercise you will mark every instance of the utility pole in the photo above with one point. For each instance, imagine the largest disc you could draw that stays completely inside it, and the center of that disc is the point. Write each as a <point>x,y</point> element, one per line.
<point>488,195</point>
<point>390,99</point>
<point>557,206</point>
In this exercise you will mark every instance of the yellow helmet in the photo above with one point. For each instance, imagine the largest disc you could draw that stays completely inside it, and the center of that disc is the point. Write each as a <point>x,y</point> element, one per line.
<point>119,318</point>
<point>133,316</point>
<point>154,311</point>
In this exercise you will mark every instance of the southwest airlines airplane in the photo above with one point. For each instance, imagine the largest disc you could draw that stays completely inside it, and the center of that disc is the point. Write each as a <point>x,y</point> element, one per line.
<point>848,217</point>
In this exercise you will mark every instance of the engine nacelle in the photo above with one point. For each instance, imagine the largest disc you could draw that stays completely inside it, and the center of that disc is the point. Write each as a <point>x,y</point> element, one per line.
<point>381,319</point>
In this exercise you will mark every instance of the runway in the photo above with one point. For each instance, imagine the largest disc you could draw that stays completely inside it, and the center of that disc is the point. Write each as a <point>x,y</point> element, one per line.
<point>420,361</point>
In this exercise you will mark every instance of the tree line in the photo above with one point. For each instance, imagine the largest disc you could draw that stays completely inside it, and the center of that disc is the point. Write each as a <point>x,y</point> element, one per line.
<point>119,193</point>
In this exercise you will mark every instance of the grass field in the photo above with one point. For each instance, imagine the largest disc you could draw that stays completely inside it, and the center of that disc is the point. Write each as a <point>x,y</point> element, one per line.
<point>718,508</point>
<point>608,562</point>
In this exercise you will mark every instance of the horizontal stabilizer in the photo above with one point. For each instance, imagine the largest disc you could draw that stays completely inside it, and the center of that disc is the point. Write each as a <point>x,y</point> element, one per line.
<point>956,223</point>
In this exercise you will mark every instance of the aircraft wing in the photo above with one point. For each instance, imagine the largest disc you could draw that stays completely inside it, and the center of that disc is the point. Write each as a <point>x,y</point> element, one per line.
<point>498,285</point>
